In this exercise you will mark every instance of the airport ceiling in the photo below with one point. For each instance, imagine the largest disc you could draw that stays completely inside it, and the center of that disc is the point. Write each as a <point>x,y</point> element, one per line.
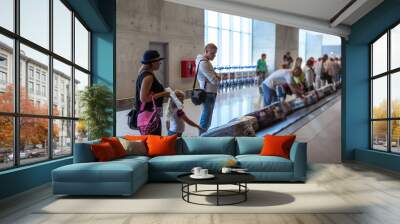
<point>327,16</point>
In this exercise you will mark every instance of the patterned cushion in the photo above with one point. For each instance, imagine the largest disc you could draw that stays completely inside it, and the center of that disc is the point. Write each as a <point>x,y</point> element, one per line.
<point>136,147</point>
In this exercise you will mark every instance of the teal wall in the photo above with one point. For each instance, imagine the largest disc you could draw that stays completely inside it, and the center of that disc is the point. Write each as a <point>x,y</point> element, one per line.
<point>24,178</point>
<point>100,17</point>
<point>103,52</point>
<point>355,100</point>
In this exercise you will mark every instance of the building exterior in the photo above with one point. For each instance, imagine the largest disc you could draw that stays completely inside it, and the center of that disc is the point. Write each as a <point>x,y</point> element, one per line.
<point>34,80</point>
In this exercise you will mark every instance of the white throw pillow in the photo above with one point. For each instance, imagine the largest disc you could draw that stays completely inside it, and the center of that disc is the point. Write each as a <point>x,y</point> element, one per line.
<point>137,147</point>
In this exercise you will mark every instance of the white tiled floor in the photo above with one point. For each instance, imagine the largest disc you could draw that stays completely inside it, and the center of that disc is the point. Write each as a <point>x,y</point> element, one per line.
<point>229,105</point>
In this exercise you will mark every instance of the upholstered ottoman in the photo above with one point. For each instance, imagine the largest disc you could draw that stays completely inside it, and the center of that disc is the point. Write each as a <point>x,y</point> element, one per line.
<point>118,177</point>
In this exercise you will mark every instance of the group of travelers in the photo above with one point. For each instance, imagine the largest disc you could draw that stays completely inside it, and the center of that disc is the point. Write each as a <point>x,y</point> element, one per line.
<point>293,78</point>
<point>290,79</point>
<point>150,94</point>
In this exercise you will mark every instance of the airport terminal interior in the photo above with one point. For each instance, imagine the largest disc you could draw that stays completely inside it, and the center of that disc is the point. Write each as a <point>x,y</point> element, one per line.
<point>199,111</point>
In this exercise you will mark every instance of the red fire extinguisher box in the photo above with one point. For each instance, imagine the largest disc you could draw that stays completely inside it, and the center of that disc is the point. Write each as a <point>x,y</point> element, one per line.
<point>188,68</point>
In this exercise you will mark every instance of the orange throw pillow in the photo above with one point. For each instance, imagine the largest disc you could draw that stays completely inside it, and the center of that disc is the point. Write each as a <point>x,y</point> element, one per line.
<point>275,145</point>
<point>136,137</point>
<point>161,145</point>
<point>116,145</point>
<point>103,152</point>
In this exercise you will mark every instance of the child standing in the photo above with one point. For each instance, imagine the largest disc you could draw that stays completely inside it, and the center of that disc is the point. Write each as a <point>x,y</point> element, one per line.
<point>176,118</point>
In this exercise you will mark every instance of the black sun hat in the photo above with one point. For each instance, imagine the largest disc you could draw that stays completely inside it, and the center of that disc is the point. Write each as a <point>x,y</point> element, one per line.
<point>151,56</point>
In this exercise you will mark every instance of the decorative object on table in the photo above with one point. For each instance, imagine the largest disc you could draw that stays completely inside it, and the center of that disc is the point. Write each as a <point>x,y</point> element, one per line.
<point>226,170</point>
<point>96,102</point>
<point>200,173</point>
<point>231,163</point>
<point>236,170</point>
<point>202,177</point>
<point>196,170</point>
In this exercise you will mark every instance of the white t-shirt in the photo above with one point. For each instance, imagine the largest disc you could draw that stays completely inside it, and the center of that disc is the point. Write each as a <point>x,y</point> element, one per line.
<point>279,77</point>
<point>176,122</point>
<point>206,74</point>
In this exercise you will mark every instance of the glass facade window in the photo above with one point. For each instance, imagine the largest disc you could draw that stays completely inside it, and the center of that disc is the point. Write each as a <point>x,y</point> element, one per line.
<point>232,35</point>
<point>379,56</point>
<point>7,74</point>
<point>7,14</point>
<point>379,133</point>
<point>314,44</point>
<point>81,45</point>
<point>35,21</point>
<point>395,47</point>
<point>379,98</point>
<point>40,62</point>
<point>62,138</point>
<point>81,82</point>
<point>45,117</point>
<point>63,73</point>
<point>3,78</point>
<point>385,94</point>
<point>33,140</point>
<point>6,142</point>
<point>62,30</point>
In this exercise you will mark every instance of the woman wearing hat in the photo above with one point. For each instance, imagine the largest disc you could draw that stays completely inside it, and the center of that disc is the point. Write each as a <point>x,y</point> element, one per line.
<point>148,87</point>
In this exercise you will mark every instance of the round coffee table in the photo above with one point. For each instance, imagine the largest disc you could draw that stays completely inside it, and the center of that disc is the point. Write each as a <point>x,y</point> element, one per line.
<point>238,179</point>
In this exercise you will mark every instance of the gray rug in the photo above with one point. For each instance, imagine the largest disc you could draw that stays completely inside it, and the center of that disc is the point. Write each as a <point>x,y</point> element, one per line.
<point>166,198</point>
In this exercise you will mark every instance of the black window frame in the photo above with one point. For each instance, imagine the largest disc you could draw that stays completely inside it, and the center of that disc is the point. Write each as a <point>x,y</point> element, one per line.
<point>16,115</point>
<point>388,74</point>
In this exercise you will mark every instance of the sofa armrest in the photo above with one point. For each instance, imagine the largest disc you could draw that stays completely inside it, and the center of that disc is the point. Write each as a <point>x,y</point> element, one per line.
<point>298,155</point>
<point>83,152</point>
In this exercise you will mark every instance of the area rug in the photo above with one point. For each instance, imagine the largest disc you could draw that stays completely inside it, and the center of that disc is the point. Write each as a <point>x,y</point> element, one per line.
<point>167,198</point>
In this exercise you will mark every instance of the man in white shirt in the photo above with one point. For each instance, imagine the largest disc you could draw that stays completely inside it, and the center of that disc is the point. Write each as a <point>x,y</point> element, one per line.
<point>209,81</point>
<point>279,78</point>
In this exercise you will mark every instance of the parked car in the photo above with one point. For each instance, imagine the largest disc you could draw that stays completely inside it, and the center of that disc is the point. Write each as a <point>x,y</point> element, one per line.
<point>22,155</point>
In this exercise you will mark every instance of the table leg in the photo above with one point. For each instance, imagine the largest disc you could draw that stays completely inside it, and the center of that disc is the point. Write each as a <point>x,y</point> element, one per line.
<point>188,189</point>
<point>245,193</point>
<point>196,188</point>
<point>182,188</point>
<point>217,194</point>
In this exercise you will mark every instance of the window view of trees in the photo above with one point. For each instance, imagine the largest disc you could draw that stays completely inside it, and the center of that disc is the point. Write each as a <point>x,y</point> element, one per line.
<point>41,122</point>
<point>385,116</point>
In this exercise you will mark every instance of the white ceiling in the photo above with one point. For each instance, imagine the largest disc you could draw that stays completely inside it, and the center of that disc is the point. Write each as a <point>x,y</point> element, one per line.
<point>313,15</point>
<point>319,9</point>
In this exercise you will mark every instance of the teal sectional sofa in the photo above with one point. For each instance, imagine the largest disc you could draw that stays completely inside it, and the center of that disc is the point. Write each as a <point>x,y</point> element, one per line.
<point>125,176</point>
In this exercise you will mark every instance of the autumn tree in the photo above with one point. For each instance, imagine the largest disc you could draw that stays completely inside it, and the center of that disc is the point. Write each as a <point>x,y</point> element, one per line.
<point>380,127</point>
<point>33,131</point>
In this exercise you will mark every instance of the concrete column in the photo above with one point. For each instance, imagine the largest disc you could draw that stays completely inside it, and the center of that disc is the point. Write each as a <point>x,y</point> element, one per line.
<point>287,39</point>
